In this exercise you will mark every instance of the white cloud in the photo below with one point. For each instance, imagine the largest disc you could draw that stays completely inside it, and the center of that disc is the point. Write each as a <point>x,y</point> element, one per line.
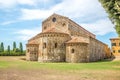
<point>100,27</point>
<point>28,2</point>
<point>71,8</point>
<point>31,14</point>
<point>84,10</point>
<point>80,10</point>
<point>26,34</point>
<point>7,3</point>
<point>14,3</point>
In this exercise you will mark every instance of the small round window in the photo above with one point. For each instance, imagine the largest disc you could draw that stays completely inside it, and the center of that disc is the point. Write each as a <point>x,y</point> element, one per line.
<point>54,19</point>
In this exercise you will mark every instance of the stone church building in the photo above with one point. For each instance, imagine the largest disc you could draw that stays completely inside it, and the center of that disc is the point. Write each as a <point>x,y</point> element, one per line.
<point>63,40</point>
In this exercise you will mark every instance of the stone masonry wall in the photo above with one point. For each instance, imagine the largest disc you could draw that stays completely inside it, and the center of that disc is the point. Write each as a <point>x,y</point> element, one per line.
<point>66,25</point>
<point>32,52</point>
<point>52,47</point>
<point>76,52</point>
<point>75,30</point>
<point>55,21</point>
<point>97,50</point>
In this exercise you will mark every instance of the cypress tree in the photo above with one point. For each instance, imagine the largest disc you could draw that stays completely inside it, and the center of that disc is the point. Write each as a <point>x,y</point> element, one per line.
<point>8,49</point>
<point>2,47</point>
<point>21,47</point>
<point>14,45</point>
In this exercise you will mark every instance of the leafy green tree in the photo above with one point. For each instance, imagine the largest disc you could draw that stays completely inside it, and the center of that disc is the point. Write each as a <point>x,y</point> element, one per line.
<point>21,47</point>
<point>8,49</point>
<point>14,45</point>
<point>112,7</point>
<point>16,50</point>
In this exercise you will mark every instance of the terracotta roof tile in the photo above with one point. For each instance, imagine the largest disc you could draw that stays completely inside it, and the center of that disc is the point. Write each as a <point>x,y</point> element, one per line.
<point>77,40</point>
<point>53,30</point>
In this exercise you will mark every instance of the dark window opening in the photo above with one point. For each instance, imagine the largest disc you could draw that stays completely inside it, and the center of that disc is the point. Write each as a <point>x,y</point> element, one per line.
<point>44,45</point>
<point>55,45</point>
<point>28,50</point>
<point>54,19</point>
<point>118,51</point>
<point>113,44</point>
<point>63,24</point>
<point>45,27</point>
<point>113,51</point>
<point>72,50</point>
<point>119,44</point>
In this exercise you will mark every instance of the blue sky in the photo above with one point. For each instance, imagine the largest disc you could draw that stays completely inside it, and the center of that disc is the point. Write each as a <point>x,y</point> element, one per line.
<point>21,19</point>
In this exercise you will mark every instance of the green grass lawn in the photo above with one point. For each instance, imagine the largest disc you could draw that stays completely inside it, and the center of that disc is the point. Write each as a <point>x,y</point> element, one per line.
<point>107,70</point>
<point>101,65</point>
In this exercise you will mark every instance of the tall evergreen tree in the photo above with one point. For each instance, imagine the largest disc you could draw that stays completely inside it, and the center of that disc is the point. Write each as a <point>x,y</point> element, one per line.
<point>21,47</point>
<point>112,7</point>
<point>14,45</point>
<point>8,49</point>
<point>2,47</point>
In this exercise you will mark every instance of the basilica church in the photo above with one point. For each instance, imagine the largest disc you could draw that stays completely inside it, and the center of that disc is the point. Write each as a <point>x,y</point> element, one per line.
<point>63,40</point>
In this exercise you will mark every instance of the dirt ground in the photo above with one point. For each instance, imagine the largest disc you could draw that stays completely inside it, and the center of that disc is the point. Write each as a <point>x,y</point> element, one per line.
<point>14,74</point>
<point>47,74</point>
<point>12,58</point>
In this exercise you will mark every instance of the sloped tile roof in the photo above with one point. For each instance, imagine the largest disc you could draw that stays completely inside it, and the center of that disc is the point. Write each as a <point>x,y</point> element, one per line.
<point>77,40</point>
<point>53,30</point>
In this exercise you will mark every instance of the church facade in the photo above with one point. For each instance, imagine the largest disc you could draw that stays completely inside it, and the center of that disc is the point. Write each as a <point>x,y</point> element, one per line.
<point>63,40</point>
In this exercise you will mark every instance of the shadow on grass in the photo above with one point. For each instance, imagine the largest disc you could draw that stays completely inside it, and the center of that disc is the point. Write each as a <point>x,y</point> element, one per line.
<point>105,60</point>
<point>23,59</point>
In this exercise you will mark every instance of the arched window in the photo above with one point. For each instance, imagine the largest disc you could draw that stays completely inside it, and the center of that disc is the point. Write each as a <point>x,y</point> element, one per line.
<point>44,45</point>
<point>54,19</point>
<point>55,45</point>
<point>72,51</point>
